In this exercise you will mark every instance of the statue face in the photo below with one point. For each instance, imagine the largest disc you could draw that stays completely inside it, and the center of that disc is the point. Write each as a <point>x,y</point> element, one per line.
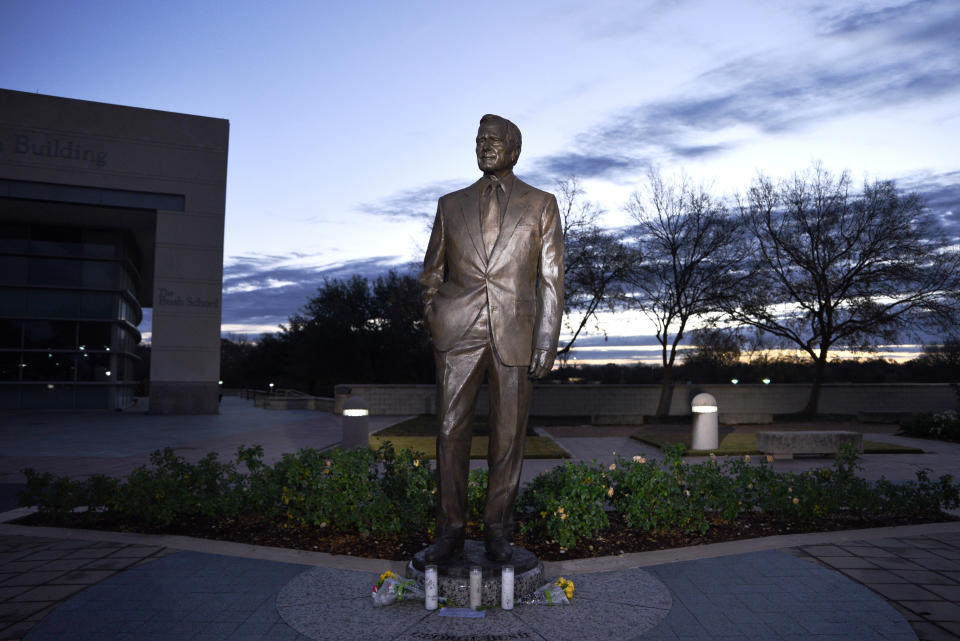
<point>494,155</point>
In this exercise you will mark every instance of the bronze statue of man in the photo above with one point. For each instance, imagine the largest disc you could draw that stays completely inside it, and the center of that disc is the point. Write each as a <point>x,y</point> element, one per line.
<point>493,294</point>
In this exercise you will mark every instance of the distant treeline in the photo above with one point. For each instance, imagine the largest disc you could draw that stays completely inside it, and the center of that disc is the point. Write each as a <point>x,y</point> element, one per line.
<point>358,331</point>
<point>811,263</point>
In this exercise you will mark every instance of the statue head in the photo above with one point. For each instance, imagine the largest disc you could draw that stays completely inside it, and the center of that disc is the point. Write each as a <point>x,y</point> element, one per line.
<point>498,144</point>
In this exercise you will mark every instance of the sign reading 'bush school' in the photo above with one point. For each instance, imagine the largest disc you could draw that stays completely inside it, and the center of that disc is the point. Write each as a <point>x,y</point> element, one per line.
<point>40,146</point>
<point>170,297</point>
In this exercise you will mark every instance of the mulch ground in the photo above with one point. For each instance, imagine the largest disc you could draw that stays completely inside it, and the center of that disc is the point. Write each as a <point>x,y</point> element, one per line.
<point>613,540</point>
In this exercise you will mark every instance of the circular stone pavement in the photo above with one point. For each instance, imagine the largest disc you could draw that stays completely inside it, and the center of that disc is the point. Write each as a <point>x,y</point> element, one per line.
<point>326,604</point>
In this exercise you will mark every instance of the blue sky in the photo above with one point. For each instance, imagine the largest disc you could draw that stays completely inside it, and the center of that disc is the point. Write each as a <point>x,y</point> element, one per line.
<point>348,120</point>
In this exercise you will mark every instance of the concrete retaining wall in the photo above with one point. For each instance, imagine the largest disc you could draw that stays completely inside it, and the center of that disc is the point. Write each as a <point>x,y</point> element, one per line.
<point>586,400</point>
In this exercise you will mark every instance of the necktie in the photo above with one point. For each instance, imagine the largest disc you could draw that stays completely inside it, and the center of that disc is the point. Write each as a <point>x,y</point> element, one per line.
<point>490,220</point>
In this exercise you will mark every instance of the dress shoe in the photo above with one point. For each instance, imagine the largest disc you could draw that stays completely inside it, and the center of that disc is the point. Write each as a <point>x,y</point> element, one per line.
<point>443,549</point>
<point>498,548</point>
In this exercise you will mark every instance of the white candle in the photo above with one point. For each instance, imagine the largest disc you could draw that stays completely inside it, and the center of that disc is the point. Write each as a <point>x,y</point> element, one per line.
<point>430,584</point>
<point>506,587</point>
<point>476,578</point>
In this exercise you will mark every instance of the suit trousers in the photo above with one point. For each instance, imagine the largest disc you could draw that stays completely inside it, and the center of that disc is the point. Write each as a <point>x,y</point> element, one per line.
<point>460,372</point>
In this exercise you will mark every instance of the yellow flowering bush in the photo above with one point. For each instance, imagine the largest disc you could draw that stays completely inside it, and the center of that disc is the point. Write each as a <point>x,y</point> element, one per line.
<point>566,504</point>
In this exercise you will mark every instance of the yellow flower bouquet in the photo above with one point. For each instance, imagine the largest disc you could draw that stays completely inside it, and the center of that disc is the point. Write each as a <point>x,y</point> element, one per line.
<point>560,592</point>
<point>391,588</point>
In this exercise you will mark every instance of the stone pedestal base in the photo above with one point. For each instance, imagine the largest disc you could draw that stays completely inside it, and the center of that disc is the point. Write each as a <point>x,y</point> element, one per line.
<point>453,576</point>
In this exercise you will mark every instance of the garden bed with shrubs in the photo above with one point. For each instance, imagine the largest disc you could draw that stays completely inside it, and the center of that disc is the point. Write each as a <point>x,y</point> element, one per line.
<point>381,503</point>
<point>942,426</point>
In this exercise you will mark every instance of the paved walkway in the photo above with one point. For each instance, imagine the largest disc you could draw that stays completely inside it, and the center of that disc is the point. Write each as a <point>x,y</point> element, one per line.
<point>889,584</point>
<point>112,589</point>
<point>79,444</point>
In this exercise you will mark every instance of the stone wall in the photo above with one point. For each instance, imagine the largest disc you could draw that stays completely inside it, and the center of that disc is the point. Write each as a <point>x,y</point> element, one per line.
<point>586,400</point>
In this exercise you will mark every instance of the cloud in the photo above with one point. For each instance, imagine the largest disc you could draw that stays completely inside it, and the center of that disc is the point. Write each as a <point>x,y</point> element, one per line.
<point>850,20</point>
<point>265,290</point>
<point>584,165</point>
<point>903,53</point>
<point>412,204</point>
<point>911,56</point>
<point>772,96</point>
<point>941,192</point>
<point>597,341</point>
<point>915,21</point>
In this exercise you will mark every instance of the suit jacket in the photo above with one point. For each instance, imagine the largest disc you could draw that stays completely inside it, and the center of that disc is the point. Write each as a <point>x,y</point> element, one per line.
<point>521,284</point>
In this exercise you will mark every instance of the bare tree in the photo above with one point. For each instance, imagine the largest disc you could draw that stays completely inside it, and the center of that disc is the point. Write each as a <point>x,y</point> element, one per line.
<point>689,246</point>
<point>831,268</point>
<point>596,261</point>
<point>715,348</point>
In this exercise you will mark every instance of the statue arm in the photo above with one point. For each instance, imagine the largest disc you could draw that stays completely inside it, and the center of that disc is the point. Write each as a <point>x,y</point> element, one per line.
<point>549,291</point>
<point>434,261</point>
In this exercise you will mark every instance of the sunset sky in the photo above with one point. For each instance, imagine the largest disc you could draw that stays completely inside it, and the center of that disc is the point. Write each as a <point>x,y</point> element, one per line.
<point>349,120</point>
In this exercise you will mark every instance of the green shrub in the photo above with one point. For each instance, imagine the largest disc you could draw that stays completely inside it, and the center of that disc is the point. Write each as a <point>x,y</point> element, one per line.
<point>51,494</point>
<point>409,486</point>
<point>918,498</point>
<point>566,504</point>
<point>358,490</point>
<point>174,489</point>
<point>477,483</point>
<point>944,426</point>
<point>390,491</point>
<point>652,497</point>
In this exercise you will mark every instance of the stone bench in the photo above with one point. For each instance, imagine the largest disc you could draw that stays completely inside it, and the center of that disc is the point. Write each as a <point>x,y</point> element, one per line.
<point>785,444</point>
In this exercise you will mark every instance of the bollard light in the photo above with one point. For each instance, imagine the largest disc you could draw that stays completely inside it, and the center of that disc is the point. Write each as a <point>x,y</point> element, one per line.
<point>356,423</point>
<point>705,424</point>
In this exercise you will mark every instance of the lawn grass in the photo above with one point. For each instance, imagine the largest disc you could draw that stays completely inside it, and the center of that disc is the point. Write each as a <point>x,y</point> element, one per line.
<point>740,443</point>
<point>536,446</point>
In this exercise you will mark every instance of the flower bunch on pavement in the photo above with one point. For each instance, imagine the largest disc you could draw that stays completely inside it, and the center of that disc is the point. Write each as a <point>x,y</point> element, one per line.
<point>566,585</point>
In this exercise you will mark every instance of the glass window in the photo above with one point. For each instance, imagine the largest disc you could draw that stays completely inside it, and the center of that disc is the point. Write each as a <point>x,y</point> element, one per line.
<point>62,241</point>
<point>53,397</point>
<point>130,280</point>
<point>123,396</point>
<point>98,305</point>
<point>50,334</point>
<point>13,270</point>
<point>129,312</point>
<point>10,331</point>
<point>94,397</point>
<point>99,274</point>
<point>125,339</point>
<point>53,303</point>
<point>9,397</point>
<point>55,271</point>
<point>94,367</point>
<point>10,366</point>
<point>13,302</point>
<point>49,366</point>
<point>95,336</point>
<point>101,244</point>
<point>14,237</point>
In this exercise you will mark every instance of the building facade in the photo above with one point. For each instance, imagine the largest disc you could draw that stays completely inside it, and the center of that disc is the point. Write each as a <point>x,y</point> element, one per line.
<point>106,210</point>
